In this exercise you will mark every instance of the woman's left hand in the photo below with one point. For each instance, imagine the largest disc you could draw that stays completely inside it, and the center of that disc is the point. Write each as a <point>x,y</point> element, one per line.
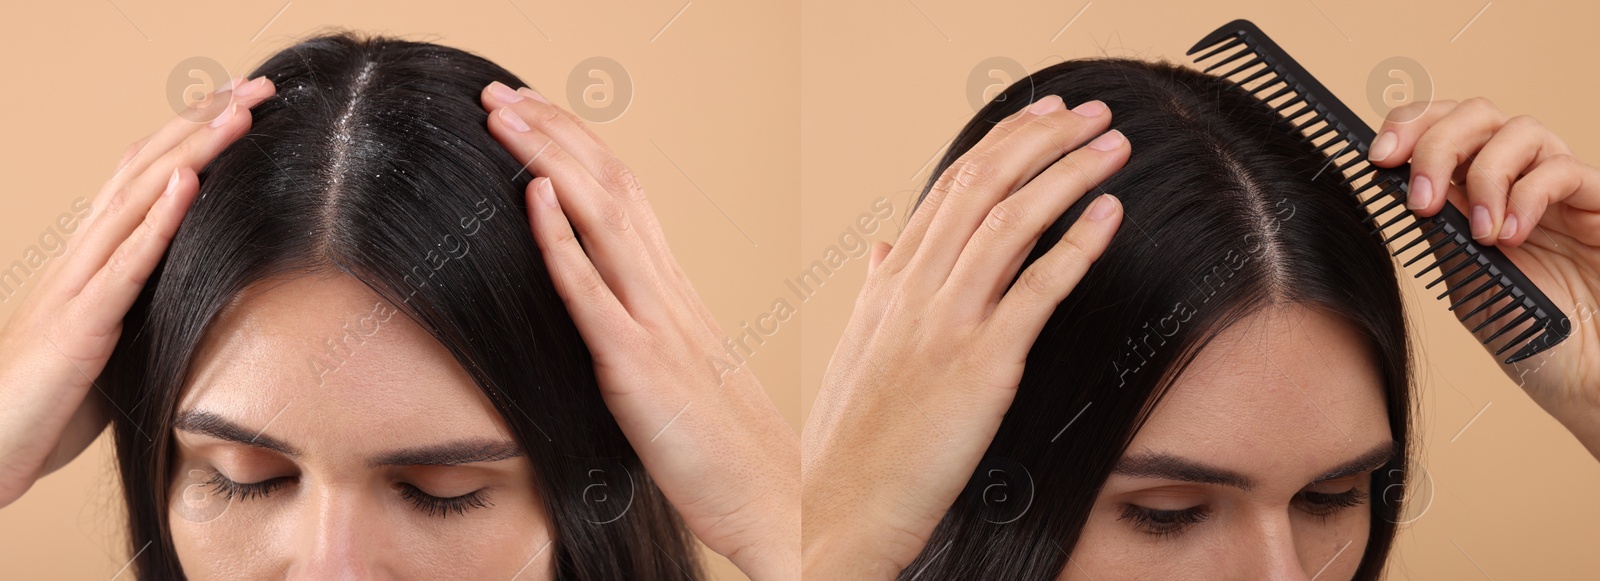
<point>707,433</point>
<point>1527,194</point>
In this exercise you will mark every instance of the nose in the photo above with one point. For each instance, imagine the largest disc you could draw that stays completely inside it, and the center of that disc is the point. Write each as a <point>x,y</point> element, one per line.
<point>1277,556</point>
<point>336,537</point>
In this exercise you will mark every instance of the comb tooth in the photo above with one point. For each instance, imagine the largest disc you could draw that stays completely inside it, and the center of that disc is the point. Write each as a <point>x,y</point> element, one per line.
<point>1262,88</point>
<point>1287,104</point>
<point>1389,187</point>
<point>1231,58</point>
<point>1352,163</point>
<point>1539,326</point>
<point>1428,251</point>
<point>1512,324</point>
<point>1313,137</point>
<point>1241,68</point>
<point>1497,314</point>
<point>1446,274</point>
<point>1264,71</point>
<point>1489,301</point>
<point>1378,197</point>
<point>1417,240</point>
<point>1482,287</point>
<point>1374,184</point>
<point>1392,205</point>
<point>1356,176</point>
<point>1236,41</point>
<point>1303,125</point>
<point>1464,281</point>
<point>1392,222</point>
<point>1414,226</point>
<point>1447,256</point>
<point>1281,92</point>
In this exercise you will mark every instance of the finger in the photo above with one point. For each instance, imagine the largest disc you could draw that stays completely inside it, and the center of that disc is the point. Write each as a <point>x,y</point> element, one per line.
<point>131,151</point>
<point>1451,142</point>
<point>916,227</point>
<point>498,94</point>
<point>1023,311</point>
<point>571,133</point>
<point>179,128</point>
<point>1401,129</point>
<point>991,259</point>
<point>115,217</point>
<point>107,297</point>
<point>1510,152</point>
<point>595,310</point>
<point>602,221</point>
<point>575,137</point>
<point>1561,179</point>
<point>588,149</point>
<point>880,249</point>
<point>981,182</point>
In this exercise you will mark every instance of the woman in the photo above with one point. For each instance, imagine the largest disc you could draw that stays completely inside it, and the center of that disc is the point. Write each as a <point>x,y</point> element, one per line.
<point>375,347</point>
<point>1224,394</point>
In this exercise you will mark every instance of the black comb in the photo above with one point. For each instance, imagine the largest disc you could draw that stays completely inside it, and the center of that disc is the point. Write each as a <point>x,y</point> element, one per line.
<point>1282,77</point>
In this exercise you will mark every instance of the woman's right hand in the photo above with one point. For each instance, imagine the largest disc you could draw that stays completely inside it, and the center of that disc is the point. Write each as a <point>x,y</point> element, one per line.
<point>932,355</point>
<point>60,337</point>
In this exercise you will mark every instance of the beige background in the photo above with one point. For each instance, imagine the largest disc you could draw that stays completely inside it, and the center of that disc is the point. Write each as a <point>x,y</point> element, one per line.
<point>711,131</point>
<point>885,88</point>
<point>763,131</point>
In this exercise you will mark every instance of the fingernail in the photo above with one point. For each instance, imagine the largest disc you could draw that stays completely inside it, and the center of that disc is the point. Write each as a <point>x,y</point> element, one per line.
<point>226,115</point>
<point>1509,227</point>
<point>1101,207</point>
<point>251,87</point>
<point>228,86</point>
<point>1383,146</point>
<point>1421,193</point>
<point>1046,105</point>
<point>532,94</point>
<point>1107,141</point>
<point>1480,222</point>
<point>1090,108</point>
<point>547,193</point>
<point>502,93</point>
<point>172,185</point>
<point>513,120</point>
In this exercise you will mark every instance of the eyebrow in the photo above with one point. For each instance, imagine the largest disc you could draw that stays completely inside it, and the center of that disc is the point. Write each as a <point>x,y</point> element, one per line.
<point>1170,467</point>
<point>210,424</point>
<point>451,454</point>
<point>446,454</point>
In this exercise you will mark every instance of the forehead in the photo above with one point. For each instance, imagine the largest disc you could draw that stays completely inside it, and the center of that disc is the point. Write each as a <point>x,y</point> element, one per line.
<point>1282,393</point>
<point>313,354</point>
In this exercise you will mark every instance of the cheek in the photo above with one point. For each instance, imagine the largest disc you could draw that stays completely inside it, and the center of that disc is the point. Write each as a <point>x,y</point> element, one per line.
<point>219,549</point>
<point>373,535</point>
<point>1109,549</point>
<point>511,538</point>
<point>1335,545</point>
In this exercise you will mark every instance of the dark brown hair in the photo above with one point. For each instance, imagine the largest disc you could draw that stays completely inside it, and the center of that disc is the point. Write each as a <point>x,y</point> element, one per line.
<point>1227,212</point>
<point>370,160</point>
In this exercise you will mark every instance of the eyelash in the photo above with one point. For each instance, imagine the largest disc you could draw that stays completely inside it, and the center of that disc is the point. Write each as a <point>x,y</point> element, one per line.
<point>424,502</point>
<point>1166,523</point>
<point>1323,504</point>
<point>1163,523</point>
<point>244,491</point>
<point>442,507</point>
